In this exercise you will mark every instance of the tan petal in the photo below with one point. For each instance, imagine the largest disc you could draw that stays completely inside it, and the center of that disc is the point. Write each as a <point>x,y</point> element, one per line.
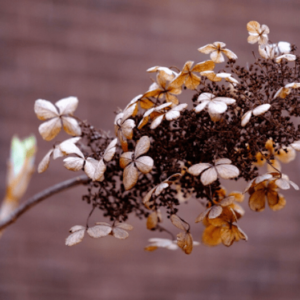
<point>127,113</point>
<point>71,126</point>
<point>50,129</point>
<point>98,231</point>
<point>43,165</point>
<point>152,220</point>
<point>286,155</point>
<point>45,109</point>
<point>246,118</point>
<point>147,198</point>
<point>212,236</point>
<point>161,187</point>
<point>261,109</point>
<point>90,167</point>
<point>203,66</point>
<point>177,222</point>
<point>192,81</point>
<point>125,159</point>
<point>202,216</point>
<point>252,39</point>
<point>253,27</point>
<point>178,81</point>
<point>125,226</point>
<point>68,147</point>
<point>130,177</point>
<point>144,164</point>
<point>238,196</point>
<point>146,103</point>
<point>143,122</point>
<point>280,204</point>
<point>185,242</point>
<point>123,141</point>
<point>257,200</point>
<point>171,98</point>
<point>142,146</point>
<point>209,176</point>
<point>215,211</point>
<point>67,106</point>
<point>273,197</point>
<point>73,163</point>
<point>207,49</point>
<point>120,233</point>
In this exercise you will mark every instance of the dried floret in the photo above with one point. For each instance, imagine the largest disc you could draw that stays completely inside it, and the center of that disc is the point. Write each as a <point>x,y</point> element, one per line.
<point>283,92</point>
<point>257,34</point>
<point>58,151</point>
<point>210,173</point>
<point>132,162</point>
<point>216,105</point>
<point>124,126</point>
<point>215,50</point>
<point>58,116</point>
<point>187,76</point>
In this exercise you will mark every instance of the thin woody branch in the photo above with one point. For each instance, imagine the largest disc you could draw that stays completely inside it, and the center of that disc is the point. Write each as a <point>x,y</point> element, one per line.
<point>57,188</point>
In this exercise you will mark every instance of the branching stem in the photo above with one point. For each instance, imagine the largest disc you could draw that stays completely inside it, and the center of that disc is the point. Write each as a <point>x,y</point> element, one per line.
<point>39,197</point>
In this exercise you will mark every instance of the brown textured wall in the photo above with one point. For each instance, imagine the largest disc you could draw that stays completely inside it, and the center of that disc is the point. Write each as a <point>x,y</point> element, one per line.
<point>98,50</point>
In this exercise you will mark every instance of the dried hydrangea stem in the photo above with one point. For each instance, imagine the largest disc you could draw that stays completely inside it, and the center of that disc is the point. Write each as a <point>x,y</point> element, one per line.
<point>57,188</point>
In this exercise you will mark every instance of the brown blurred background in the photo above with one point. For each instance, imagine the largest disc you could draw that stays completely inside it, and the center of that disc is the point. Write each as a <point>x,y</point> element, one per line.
<point>99,50</point>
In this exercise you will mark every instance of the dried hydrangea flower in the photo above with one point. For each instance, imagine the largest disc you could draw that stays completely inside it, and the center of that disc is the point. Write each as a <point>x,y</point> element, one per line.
<point>216,105</point>
<point>57,116</point>
<point>257,111</point>
<point>57,152</point>
<point>267,51</point>
<point>163,88</point>
<point>216,77</point>
<point>184,238</point>
<point>118,230</point>
<point>257,34</point>
<point>215,50</point>
<point>187,76</point>
<point>209,173</point>
<point>76,236</point>
<point>124,126</point>
<point>131,162</point>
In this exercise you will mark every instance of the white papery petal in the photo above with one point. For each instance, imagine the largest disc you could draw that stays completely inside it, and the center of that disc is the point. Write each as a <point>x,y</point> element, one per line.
<point>67,106</point>
<point>90,167</point>
<point>172,115</point>
<point>69,147</point>
<point>226,100</point>
<point>144,164</point>
<point>130,176</point>
<point>71,126</point>
<point>221,161</point>
<point>288,57</point>
<point>259,110</point>
<point>110,150</point>
<point>205,97</point>
<point>120,233</point>
<point>209,176</point>
<point>215,211</point>
<point>198,168</point>
<point>98,231</point>
<point>217,107</point>
<point>296,145</point>
<point>201,106</point>
<point>142,146</point>
<point>177,222</point>
<point>50,129</point>
<point>160,188</point>
<point>284,47</point>
<point>45,109</point>
<point>43,165</point>
<point>127,127</point>
<point>228,171</point>
<point>100,170</point>
<point>157,121</point>
<point>73,163</point>
<point>75,238</point>
<point>246,118</point>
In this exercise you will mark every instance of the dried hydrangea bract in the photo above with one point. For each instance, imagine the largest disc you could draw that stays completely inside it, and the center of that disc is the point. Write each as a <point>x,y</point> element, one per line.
<point>168,149</point>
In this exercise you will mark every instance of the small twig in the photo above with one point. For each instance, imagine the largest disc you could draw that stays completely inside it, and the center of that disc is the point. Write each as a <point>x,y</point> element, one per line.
<point>42,196</point>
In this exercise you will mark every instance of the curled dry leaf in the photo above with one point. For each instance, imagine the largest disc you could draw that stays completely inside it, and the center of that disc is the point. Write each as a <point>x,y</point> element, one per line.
<point>57,116</point>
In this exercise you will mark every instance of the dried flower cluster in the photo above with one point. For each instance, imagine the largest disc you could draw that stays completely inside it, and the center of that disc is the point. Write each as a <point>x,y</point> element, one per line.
<point>166,153</point>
